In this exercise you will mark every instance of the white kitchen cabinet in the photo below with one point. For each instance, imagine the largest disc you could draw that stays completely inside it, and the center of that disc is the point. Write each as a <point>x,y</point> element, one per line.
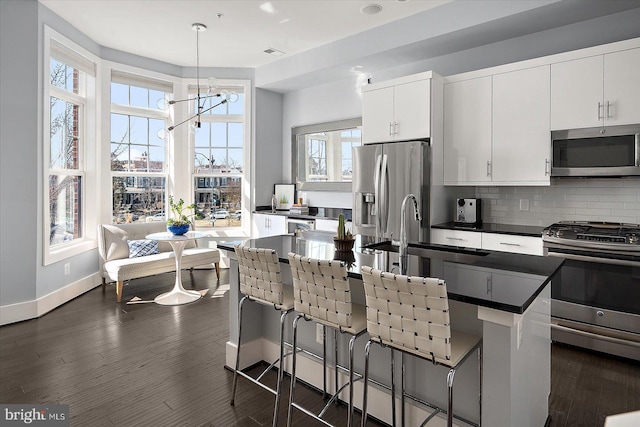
<point>397,110</point>
<point>489,241</point>
<point>265,225</point>
<point>512,243</point>
<point>467,239</point>
<point>497,129</point>
<point>467,132</point>
<point>601,90</point>
<point>521,148</point>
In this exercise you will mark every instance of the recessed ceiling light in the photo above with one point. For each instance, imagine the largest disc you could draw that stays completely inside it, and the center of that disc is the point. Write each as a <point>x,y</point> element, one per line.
<point>274,52</point>
<point>371,9</point>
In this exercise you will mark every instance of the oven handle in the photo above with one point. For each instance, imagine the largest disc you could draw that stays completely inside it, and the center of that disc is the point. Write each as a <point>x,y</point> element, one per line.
<point>638,149</point>
<point>595,336</point>
<point>591,258</point>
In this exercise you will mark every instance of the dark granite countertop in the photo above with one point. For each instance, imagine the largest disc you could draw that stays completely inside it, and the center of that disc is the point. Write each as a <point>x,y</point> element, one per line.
<point>515,279</point>
<point>517,230</point>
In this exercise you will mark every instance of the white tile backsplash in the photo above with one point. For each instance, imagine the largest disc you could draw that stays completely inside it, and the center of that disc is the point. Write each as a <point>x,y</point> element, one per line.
<point>615,200</point>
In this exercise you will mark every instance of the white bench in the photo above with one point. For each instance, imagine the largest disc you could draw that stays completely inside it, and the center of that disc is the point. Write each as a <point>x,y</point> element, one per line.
<point>115,264</point>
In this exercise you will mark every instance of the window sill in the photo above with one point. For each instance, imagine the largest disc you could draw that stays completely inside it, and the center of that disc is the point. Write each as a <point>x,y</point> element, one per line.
<point>68,251</point>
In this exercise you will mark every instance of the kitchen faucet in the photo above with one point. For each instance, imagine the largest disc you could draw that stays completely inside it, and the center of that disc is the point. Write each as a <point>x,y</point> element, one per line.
<point>403,230</point>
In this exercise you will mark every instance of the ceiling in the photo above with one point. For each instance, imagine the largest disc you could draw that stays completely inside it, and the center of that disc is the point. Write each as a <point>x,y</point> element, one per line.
<point>327,40</point>
<point>238,38</point>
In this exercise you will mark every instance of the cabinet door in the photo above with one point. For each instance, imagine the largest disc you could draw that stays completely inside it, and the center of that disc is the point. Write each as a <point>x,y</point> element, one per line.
<point>622,87</point>
<point>277,225</point>
<point>259,226</point>
<point>467,239</point>
<point>467,131</point>
<point>576,93</point>
<point>412,110</point>
<point>521,136</point>
<point>377,115</point>
<point>509,243</point>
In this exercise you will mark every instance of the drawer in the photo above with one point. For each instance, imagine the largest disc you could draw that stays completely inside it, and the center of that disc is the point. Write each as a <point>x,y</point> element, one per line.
<point>467,239</point>
<point>510,243</point>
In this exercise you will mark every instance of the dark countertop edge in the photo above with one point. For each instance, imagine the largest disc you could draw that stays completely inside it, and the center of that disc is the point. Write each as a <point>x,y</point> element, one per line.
<point>313,213</point>
<point>514,266</point>
<point>514,230</point>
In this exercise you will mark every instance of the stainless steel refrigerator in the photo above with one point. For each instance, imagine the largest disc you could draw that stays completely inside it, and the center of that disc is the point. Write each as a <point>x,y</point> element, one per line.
<point>383,174</point>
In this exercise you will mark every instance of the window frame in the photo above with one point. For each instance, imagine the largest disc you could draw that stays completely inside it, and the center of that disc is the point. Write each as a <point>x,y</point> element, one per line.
<point>87,99</point>
<point>118,72</point>
<point>245,176</point>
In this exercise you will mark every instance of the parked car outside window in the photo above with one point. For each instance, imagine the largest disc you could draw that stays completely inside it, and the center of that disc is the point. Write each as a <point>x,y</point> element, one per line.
<point>221,214</point>
<point>237,214</point>
<point>158,217</point>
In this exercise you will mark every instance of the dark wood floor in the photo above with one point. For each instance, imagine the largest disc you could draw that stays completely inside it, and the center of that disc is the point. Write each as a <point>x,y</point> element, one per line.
<point>149,365</point>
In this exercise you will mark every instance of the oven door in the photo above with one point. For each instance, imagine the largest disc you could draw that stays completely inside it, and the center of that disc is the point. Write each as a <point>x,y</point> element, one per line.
<point>597,306</point>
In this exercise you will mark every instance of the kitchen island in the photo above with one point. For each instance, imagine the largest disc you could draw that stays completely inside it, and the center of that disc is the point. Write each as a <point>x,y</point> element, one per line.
<point>503,297</point>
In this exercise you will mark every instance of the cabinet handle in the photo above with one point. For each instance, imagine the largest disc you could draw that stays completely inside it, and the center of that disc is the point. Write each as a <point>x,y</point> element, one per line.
<point>509,244</point>
<point>608,110</point>
<point>599,107</point>
<point>488,285</point>
<point>546,167</point>
<point>455,238</point>
<point>395,128</point>
<point>488,168</point>
<point>390,129</point>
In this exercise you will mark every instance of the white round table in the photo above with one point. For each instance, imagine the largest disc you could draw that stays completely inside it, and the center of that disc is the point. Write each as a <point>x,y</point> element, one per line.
<point>178,295</point>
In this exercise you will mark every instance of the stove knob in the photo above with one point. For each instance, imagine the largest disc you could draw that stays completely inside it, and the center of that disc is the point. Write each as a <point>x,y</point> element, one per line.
<point>560,233</point>
<point>634,239</point>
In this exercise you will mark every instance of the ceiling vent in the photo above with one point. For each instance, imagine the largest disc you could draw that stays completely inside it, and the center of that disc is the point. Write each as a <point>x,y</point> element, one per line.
<point>274,52</point>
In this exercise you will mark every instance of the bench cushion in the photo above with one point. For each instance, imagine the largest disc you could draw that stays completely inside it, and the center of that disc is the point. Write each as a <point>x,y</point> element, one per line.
<point>163,262</point>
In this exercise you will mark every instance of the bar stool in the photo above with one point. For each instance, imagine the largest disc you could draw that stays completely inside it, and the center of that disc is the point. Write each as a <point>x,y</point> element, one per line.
<point>411,314</point>
<point>322,294</point>
<point>261,282</point>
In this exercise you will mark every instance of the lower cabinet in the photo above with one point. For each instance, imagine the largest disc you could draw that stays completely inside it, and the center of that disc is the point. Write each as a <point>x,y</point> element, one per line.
<point>264,225</point>
<point>466,239</point>
<point>490,241</point>
<point>510,243</point>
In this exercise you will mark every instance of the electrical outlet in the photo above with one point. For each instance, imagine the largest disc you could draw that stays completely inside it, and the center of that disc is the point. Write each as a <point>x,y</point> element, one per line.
<point>319,333</point>
<point>67,269</point>
<point>524,204</point>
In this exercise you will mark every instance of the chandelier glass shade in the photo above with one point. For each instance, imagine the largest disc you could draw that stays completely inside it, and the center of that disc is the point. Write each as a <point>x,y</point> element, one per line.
<point>200,100</point>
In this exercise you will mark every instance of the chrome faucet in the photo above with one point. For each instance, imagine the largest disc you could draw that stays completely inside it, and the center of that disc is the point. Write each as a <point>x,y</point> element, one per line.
<point>403,230</point>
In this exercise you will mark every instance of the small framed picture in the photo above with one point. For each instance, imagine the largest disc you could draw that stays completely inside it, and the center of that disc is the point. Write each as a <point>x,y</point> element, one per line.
<point>285,196</point>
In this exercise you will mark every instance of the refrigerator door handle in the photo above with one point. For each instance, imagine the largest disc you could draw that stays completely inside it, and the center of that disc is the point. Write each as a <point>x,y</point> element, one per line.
<point>376,202</point>
<point>384,204</point>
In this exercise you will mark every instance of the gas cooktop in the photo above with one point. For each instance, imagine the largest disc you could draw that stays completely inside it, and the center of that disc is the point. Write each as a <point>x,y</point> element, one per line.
<point>594,235</point>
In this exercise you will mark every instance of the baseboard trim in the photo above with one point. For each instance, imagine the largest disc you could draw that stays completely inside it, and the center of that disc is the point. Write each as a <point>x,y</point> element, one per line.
<point>18,312</point>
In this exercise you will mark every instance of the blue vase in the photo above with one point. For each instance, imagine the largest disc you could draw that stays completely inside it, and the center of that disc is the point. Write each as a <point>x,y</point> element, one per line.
<point>178,230</point>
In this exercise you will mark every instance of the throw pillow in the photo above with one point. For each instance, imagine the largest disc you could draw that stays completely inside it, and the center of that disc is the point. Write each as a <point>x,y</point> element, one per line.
<point>138,248</point>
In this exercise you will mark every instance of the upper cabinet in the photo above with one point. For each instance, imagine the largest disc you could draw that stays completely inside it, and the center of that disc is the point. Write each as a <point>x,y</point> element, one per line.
<point>521,137</point>
<point>467,131</point>
<point>397,110</point>
<point>601,90</point>
<point>496,129</point>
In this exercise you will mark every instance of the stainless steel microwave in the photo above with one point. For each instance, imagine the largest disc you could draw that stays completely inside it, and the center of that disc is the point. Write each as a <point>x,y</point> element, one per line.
<point>607,151</point>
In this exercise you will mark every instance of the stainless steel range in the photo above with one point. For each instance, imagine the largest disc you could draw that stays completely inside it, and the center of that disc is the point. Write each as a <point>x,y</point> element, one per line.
<point>596,296</point>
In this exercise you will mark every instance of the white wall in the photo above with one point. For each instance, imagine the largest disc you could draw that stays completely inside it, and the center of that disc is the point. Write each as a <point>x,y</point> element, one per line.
<point>268,165</point>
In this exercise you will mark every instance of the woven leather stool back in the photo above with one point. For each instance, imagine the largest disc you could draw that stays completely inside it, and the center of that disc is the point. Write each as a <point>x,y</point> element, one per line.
<point>406,312</point>
<point>321,290</point>
<point>260,275</point>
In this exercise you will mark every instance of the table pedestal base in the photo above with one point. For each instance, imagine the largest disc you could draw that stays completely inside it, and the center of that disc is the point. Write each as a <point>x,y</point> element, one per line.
<point>177,297</point>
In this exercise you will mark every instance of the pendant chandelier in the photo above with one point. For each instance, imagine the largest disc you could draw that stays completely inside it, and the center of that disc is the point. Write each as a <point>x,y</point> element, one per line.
<point>201,98</point>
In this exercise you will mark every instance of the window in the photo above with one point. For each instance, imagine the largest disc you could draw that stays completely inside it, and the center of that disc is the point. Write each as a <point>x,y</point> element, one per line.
<point>138,148</point>
<point>70,94</point>
<point>220,148</point>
